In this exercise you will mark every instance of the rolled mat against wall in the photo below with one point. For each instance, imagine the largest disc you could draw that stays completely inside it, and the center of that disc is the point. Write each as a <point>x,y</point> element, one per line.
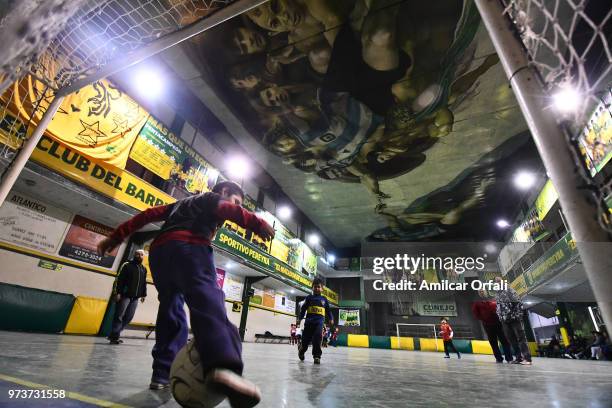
<point>381,342</point>
<point>463,346</point>
<point>86,316</point>
<point>107,322</point>
<point>35,310</point>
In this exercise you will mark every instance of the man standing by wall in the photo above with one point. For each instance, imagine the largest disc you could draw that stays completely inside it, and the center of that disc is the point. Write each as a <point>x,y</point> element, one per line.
<point>131,285</point>
<point>486,311</point>
<point>510,313</point>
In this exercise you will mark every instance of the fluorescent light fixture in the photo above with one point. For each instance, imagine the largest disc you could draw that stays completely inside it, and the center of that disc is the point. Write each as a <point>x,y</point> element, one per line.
<point>292,291</point>
<point>524,180</point>
<point>229,265</point>
<point>331,258</point>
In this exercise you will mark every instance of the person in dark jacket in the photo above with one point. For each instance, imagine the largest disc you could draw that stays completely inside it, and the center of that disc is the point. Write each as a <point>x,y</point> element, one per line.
<point>486,311</point>
<point>510,313</point>
<point>131,285</point>
<point>183,269</point>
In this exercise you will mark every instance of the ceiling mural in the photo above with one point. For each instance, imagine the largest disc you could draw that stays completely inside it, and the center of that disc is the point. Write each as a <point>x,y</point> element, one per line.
<point>372,108</point>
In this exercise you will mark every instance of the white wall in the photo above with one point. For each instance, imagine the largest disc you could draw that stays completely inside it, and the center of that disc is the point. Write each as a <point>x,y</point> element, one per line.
<point>23,270</point>
<point>259,321</point>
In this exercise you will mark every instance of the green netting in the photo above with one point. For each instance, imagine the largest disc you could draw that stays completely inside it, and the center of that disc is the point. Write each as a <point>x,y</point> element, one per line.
<point>35,310</point>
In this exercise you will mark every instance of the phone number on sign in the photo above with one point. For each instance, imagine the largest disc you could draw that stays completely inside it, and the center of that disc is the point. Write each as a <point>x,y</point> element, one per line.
<point>37,394</point>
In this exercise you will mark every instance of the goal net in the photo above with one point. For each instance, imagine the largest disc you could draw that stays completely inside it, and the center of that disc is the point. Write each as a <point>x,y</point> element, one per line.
<point>568,43</point>
<point>54,45</point>
<point>428,331</point>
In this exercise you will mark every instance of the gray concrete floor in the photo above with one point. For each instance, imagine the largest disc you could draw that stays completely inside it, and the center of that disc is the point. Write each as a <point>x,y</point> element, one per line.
<point>348,377</point>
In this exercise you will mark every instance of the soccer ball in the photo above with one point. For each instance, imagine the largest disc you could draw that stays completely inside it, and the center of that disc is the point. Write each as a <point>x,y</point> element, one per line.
<point>187,380</point>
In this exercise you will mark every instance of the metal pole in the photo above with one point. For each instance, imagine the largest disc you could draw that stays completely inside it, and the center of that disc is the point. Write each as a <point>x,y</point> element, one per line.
<point>593,243</point>
<point>26,151</point>
<point>157,46</point>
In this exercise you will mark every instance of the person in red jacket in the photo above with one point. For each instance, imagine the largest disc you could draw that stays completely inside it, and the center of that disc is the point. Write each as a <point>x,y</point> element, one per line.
<point>446,331</point>
<point>183,269</point>
<point>486,311</point>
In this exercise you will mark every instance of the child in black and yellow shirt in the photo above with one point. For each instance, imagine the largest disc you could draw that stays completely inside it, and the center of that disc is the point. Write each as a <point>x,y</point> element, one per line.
<point>315,308</point>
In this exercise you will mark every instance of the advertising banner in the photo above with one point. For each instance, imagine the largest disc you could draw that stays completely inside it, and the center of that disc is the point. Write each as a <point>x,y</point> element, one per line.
<point>348,317</point>
<point>220,277</point>
<point>99,120</point>
<point>596,138</point>
<point>233,243</point>
<point>82,240</point>
<point>269,298</point>
<point>32,223</point>
<point>232,287</point>
<point>168,156</point>
<point>285,246</point>
<point>309,262</point>
<point>102,177</point>
<point>437,308</point>
<point>283,303</point>
<point>546,199</point>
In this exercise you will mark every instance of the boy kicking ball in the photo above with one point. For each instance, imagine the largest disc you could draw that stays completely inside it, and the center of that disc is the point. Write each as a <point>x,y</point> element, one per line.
<point>316,308</point>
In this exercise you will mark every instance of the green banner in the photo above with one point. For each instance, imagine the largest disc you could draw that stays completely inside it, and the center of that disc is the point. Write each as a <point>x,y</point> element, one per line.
<point>233,243</point>
<point>553,261</point>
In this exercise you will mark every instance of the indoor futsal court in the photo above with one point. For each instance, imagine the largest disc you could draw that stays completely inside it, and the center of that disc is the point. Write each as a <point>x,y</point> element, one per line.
<point>305,203</point>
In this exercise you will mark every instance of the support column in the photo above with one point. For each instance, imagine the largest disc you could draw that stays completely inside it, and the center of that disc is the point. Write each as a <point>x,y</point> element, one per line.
<point>9,179</point>
<point>246,296</point>
<point>593,242</point>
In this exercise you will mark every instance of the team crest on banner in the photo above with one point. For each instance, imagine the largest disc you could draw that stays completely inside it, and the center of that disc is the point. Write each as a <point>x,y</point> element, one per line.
<point>99,120</point>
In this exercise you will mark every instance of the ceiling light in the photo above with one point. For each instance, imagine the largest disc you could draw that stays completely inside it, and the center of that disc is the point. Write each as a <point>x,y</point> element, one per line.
<point>284,212</point>
<point>148,83</point>
<point>490,248</point>
<point>524,180</point>
<point>503,223</point>
<point>237,167</point>
<point>313,239</point>
<point>566,99</point>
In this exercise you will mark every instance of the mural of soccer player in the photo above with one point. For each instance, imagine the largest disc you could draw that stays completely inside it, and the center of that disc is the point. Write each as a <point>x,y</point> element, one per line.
<point>477,193</point>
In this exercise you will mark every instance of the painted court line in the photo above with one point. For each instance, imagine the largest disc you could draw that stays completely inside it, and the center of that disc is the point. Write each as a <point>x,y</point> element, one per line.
<point>69,394</point>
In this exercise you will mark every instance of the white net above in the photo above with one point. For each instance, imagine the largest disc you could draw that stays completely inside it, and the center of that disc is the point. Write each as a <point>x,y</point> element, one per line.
<point>48,44</point>
<point>568,42</point>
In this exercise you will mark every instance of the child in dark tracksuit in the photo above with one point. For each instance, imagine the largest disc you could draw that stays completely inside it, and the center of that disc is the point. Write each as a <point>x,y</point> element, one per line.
<point>182,265</point>
<point>446,331</point>
<point>315,308</point>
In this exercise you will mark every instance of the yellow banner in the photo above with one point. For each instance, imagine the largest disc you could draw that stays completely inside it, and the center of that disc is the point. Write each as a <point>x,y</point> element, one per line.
<point>519,285</point>
<point>102,177</point>
<point>99,120</point>
<point>330,295</point>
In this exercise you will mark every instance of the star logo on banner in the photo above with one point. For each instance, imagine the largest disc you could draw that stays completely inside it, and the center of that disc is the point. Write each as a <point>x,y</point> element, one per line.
<point>91,132</point>
<point>121,126</point>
